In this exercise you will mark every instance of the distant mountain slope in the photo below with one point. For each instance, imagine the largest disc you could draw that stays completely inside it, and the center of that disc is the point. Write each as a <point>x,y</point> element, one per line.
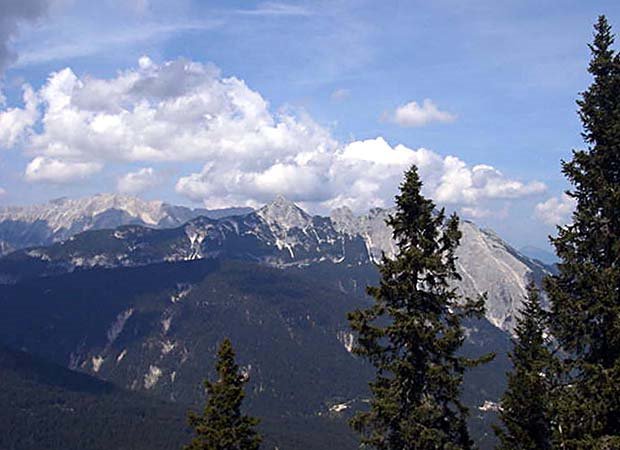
<point>545,256</point>
<point>36,225</point>
<point>45,406</point>
<point>154,329</point>
<point>283,235</point>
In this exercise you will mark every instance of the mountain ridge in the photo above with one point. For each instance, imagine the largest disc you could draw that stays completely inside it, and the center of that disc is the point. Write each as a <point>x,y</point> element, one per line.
<point>153,329</point>
<point>281,234</point>
<point>61,218</point>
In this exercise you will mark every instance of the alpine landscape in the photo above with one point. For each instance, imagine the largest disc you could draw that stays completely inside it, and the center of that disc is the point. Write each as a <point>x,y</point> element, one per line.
<point>185,264</point>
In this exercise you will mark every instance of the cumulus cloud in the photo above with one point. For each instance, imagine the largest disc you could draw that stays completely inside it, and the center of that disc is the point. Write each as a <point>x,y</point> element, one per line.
<point>414,114</point>
<point>556,210</point>
<point>15,122</point>
<point>13,14</point>
<point>177,111</point>
<point>462,184</point>
<point>58,171</point>
<point>359,175</point>
<point>182,111</point>
<point>138,181</point>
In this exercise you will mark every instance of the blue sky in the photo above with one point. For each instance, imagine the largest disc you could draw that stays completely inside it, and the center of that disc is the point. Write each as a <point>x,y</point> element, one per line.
<point>321,98</point>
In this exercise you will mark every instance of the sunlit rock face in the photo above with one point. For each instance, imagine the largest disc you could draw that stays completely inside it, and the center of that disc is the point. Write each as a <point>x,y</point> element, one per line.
<point>486,263</point>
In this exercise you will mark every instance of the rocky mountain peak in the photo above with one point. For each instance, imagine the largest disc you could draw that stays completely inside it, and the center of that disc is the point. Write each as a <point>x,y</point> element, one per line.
<point>63,212</point>
<point>284,213</point>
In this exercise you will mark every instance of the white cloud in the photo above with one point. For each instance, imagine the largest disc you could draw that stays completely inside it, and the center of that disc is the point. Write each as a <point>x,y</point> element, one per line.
<point>448,179</point>
<point>413,114</point>
<point>2,192</point>
<point>15,122</point>
<point>177,111</point>
<point>182,111</point>
<point>359,175</point>
<point>42,169</point>
<point>138,181</point>
<point>556,211</point>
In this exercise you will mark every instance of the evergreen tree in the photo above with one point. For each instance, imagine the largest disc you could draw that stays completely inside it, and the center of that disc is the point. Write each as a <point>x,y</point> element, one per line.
<point>585,295</point>
<point>525,409</point>
<point>412,333</point>
<point>221,425</point>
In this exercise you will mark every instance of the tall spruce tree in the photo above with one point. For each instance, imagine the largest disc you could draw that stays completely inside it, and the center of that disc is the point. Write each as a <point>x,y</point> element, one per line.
<point>222,426</point>
<point>585,295</point>
<point>526,412</point>
<point>412,333</point>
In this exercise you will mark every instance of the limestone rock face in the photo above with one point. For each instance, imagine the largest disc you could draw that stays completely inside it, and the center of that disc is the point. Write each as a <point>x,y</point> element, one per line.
<point>486,263</point>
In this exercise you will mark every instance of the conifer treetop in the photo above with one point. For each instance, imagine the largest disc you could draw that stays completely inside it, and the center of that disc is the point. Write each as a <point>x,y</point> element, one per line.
<point>412,333</point>
<point>222,426</point>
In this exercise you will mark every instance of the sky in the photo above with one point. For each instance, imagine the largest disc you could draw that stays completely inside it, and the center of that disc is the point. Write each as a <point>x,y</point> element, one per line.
<point>230,103</point>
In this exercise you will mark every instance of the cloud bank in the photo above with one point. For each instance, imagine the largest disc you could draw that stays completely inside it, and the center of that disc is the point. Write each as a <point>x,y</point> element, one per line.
<point>187,113</point>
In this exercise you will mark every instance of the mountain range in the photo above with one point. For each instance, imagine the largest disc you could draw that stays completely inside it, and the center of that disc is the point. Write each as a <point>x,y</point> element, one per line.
<point>143,305</point>
<point>43,224</point>
<point>279,234</point>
